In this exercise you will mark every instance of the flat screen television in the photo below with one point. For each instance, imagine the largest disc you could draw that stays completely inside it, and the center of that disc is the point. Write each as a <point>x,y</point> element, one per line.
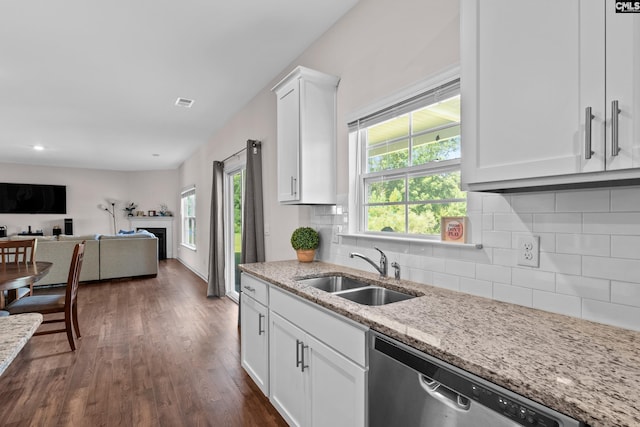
<point>32,198</point>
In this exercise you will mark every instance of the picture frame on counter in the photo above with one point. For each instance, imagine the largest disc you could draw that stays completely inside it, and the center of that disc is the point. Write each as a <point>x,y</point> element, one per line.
<point>453,229</point>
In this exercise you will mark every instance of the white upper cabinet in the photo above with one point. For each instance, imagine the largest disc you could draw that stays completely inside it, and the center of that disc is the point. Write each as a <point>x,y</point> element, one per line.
<point>538,81</point>
<point>306,108</point>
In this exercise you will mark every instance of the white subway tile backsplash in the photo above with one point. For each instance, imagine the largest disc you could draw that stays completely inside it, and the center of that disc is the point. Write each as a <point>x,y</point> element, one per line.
<point>557,223</point>
<point>534,202</point>
<point>625,293</point>
<point>534,279</point>
<point>560,263</point>
<point>583,244</point>
<point>563,304</point>
<point>623,316</point>
<point>589,252</point>
<point>427,263</point>
<point>496,203</point>
<point>447,281</point>
<point>625,247</point>
<point>487,222</point>
<point>513,294</point>
<point>460,268</point>
<point>612,223</point>
<point>493,273</point>
<point>417,275</point>
<point>583,201</point>
<point>506,257</point>
<point>496,239</point>
<point>625,199</point>
<point>584,287</point>
<point>480,288</point>
<point>625,270</point>
<point>512,222</point>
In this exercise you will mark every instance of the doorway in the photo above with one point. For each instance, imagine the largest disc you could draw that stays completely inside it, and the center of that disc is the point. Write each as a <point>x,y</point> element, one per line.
<point>234,176</point>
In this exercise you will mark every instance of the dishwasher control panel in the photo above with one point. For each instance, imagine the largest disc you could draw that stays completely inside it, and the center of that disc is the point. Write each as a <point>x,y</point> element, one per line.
<point>515,410</point>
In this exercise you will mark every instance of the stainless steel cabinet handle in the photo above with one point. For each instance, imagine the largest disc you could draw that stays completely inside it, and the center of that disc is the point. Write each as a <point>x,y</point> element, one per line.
<point>293,186</point>
<point>292,179</point>
<point>249,288</point>
<point>300,355</point>
<point>587,133</point>
<point>298,342</point>
<point>260,329</point>
<point>615,112</point>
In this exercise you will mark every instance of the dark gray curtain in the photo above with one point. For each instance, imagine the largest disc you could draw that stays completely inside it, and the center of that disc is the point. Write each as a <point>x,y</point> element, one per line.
<point>253,219</point>
<point>216,286</point>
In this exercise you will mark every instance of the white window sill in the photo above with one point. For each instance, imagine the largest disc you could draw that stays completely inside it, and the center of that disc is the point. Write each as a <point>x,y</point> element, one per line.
<point>404,239</point>
<point>190,247</point>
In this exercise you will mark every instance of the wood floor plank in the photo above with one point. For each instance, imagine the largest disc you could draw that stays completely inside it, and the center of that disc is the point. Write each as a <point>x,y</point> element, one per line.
<point>153,352</point>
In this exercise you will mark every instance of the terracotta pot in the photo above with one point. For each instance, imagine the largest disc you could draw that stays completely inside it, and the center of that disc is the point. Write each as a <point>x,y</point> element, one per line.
<point>306,255</point>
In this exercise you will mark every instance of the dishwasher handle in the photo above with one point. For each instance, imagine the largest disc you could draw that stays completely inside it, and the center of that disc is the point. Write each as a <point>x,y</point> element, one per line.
<point>444,394</point>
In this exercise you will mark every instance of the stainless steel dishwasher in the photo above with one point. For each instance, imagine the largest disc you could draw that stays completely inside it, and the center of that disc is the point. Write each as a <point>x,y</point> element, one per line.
<point>410,388</point>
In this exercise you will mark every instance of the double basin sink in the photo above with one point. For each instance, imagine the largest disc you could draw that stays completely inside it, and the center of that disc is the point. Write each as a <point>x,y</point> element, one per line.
<point>355,290</point>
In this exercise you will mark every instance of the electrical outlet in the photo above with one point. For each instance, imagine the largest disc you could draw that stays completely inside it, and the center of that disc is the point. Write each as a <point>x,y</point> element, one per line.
<point>529,251</point>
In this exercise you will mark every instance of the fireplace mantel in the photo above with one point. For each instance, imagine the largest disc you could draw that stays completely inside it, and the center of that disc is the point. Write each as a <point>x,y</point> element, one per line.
<point>155,222</point>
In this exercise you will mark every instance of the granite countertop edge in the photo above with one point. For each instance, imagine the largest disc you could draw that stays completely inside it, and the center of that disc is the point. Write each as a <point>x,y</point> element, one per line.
<point>586,370</point>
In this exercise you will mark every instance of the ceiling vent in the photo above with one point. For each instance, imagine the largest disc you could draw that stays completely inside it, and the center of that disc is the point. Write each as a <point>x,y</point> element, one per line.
<point>184,102</point>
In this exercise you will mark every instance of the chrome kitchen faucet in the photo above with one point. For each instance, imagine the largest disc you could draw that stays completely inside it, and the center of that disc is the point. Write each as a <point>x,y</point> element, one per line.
<point>382,268</point>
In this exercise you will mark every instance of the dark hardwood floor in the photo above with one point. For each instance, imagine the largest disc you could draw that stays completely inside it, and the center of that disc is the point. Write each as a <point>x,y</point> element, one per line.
<point>154,352</point>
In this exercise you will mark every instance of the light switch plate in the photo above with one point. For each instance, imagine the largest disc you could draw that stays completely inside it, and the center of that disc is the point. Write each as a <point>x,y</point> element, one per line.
<point>529,251</point>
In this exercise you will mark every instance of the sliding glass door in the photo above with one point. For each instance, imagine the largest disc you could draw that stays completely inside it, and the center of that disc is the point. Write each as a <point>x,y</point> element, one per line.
<point>234,193</point>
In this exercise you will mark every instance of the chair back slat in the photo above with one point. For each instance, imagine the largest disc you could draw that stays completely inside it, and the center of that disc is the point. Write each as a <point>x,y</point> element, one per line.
<point>18,251</point>
<point>74,275</point>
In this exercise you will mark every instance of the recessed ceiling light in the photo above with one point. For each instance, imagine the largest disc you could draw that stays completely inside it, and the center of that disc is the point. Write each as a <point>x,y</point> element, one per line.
<point>156,155</point>
<point>38,147</point>
<point>184,102</point>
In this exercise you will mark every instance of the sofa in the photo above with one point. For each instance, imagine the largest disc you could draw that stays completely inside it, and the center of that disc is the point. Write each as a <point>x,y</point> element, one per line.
<point>105,257</point>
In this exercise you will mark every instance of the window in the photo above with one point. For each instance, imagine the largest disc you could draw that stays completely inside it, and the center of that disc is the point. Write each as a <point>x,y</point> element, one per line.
<point>188,210</point>
<point>409,164</point>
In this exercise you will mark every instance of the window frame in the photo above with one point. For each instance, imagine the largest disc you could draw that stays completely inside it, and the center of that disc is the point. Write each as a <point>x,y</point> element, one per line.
<point>411,99</point>
<point>188,223</point>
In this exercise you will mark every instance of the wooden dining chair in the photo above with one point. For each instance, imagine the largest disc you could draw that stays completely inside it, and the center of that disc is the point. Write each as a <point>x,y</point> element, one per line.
<point>57,303</point>
<point>17,252</point>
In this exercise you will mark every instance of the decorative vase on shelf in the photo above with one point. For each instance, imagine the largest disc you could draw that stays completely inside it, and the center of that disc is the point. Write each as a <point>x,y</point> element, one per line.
<point>305,241</point>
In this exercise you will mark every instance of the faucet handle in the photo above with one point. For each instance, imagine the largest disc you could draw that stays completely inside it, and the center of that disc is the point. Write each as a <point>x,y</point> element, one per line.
<point>382,255</point>
<point>396,268</point>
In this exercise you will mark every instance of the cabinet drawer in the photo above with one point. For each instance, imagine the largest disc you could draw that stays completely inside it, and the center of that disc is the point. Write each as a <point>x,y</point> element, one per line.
<point>255,288</point>
<point>343,335</point>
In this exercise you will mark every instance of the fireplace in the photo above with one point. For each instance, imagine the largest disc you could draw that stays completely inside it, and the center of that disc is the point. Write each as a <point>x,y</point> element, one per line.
<point>161,234</point>
<point>162,227</point>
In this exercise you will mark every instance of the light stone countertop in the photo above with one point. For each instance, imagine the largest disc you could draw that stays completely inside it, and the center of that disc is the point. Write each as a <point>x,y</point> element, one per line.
<point>15,331</point>
<point>583,369</point>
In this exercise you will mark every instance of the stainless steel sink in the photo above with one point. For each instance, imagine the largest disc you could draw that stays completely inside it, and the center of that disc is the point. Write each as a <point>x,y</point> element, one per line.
<point>333,283</point>
<point>373,295</point>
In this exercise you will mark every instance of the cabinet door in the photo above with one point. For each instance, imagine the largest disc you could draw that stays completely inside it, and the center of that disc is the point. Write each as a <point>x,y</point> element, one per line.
<point>336,387</point>
<point>288,128</point>
<point>623,86</point>
<point>286,391</point>
<point>254,341</point>
<point>529,71</point>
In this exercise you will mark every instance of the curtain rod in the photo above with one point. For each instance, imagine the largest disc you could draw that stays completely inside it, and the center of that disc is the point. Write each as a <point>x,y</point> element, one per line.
<point>254,143</point>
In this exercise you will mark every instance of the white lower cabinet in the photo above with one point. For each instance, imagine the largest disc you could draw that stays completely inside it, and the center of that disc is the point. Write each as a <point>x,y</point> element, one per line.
<point>254,341</point>
<point>311,362</point>
<point>254,330</point>
<point>312,384</point>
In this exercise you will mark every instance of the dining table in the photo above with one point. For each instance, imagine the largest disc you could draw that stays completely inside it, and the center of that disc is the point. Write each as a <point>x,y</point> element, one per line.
<point>14,276</point>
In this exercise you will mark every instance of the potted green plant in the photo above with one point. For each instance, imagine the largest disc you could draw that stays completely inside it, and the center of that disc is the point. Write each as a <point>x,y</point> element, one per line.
<point>305,241</point>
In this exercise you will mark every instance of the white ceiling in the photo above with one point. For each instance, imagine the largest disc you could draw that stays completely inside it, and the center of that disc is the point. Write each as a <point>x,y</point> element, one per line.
<point>95,82</point>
